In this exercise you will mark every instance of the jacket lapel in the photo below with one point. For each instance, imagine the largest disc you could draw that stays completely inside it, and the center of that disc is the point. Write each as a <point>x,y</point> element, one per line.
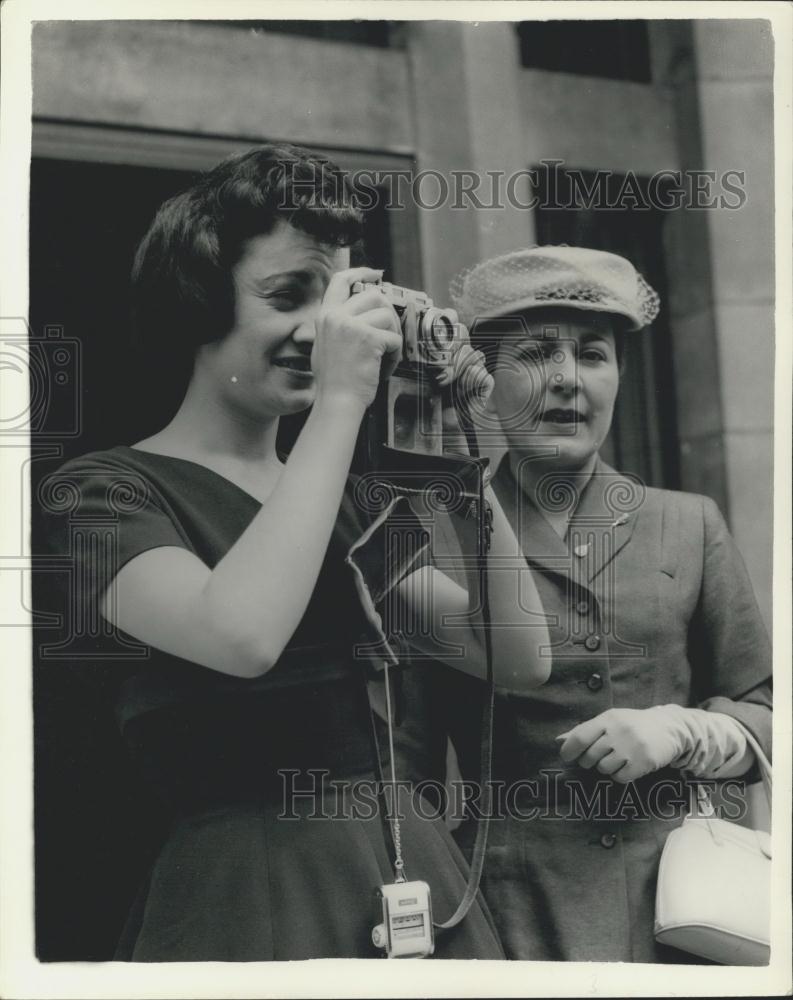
<point>538,541</point>
<point>602,525</point>
<point>605,518</point>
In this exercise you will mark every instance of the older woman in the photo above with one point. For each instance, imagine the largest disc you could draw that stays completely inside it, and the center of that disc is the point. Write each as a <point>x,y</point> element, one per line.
<point>657,643</point>
<point>228,561</point>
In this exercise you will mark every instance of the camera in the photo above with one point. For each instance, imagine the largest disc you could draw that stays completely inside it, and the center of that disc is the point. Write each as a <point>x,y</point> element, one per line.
<point>406,930</point>
<point>407,414</point>
<point>428,333</point>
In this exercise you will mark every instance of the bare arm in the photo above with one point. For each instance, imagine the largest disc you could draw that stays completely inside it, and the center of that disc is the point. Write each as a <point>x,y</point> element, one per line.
<point>442,615</point>
<point>239,616</point>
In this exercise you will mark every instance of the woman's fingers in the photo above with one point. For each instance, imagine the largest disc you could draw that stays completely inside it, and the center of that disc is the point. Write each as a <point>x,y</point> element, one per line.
<point>477,380</point>
<point>356,343</point>
<point>625,743</point>
<point>628,772</point>
<point>392,342</point>
<point>368,299</point>
<point>370,305</point>
<point>611,762</point>
<point>467,371</point>
<point>581,738</point>
<point>383,317</point>
<point>460,357</point>
<point>392,354</point>
<point>596,752</point>
<point>340,284</point>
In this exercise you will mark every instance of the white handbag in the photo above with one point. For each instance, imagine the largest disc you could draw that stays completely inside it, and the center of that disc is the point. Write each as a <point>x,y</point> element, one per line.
<point>714,884</point>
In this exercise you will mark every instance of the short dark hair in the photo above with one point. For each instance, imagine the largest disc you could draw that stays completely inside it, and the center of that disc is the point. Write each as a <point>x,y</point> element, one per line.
<point>182,286</point>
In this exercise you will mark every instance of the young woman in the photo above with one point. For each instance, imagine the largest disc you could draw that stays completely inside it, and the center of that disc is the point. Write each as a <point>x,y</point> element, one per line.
<point>658,646</point>
<point>229,562</point>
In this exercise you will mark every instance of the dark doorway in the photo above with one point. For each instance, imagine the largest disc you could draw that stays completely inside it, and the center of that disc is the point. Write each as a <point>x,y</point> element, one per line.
<point>96,827</point>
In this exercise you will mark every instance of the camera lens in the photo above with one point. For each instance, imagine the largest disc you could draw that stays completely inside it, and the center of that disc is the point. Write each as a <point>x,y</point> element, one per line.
<point>442,332</point>
<point>438,332</point>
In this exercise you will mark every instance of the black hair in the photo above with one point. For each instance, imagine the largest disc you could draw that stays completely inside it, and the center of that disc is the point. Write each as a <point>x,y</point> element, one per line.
<point>182,284</point>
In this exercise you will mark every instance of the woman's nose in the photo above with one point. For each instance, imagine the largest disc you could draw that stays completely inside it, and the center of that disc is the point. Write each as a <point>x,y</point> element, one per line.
<point>563,374</point>
<point>305,330</point>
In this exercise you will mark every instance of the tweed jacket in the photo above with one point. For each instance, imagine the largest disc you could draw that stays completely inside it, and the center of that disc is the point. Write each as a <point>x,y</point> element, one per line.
<point>648,603</point>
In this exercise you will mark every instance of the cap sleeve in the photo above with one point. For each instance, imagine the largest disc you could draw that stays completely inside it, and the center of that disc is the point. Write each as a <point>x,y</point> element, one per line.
<point>381,536</point>
<point>100,515</point>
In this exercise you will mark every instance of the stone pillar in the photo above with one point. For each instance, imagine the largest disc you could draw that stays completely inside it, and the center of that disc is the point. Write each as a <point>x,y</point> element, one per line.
<point>466,101</point>
<point>735,60</point>
<point>721,275</point>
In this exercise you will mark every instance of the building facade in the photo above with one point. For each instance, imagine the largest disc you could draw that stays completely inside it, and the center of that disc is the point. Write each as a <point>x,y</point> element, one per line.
<point>653,101</point>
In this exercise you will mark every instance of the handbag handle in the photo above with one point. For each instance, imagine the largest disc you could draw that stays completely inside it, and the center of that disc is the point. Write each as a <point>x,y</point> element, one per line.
<point>704,807</point>
<point>763,764</point>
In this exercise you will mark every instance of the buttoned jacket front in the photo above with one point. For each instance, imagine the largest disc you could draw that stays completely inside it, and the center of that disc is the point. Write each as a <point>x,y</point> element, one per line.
<point>648,603</point>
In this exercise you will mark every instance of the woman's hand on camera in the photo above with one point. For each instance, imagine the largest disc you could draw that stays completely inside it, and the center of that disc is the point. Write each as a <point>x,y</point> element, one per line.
<point>466,372</point>
<point>465,381</point>
<point>358,340</point>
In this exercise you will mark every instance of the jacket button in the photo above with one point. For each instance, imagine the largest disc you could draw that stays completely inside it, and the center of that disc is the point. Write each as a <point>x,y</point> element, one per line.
<point>592,642</point>
<point>608,840</point>
<point>582,607</point>
<point>594,682</point>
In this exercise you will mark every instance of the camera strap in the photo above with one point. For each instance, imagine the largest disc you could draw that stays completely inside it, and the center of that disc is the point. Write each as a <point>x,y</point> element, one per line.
<point>390,820</point>
<point>486,739</point>
<point>474,504</point>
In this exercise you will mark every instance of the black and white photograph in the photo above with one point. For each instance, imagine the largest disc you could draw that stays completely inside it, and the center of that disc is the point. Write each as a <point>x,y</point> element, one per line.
<point>396,454</point>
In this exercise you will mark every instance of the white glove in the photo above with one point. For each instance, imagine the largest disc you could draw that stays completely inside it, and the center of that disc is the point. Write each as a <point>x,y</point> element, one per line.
<point>716,743</point>
<point>627,743</point>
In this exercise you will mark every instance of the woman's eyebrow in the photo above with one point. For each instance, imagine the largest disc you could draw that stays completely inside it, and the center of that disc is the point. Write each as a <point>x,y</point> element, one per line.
<point>303,277</point>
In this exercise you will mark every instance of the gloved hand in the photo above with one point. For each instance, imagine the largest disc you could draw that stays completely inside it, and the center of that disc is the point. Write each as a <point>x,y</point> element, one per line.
<point>627,743</point>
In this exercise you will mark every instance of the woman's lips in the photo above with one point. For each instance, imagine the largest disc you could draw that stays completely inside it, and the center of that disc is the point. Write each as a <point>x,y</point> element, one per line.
<point>295,365</point>
<point>562,415</point>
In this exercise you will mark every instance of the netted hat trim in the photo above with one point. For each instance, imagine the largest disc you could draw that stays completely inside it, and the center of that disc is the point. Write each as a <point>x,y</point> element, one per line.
<point>649,300</point>
<point>558,275</point>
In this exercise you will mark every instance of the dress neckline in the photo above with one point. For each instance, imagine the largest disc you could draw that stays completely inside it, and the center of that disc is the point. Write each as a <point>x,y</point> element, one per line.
<point>195,465</point>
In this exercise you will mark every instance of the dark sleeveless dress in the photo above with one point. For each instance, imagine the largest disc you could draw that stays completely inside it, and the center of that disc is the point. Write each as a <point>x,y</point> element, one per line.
<point>251,870</point>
